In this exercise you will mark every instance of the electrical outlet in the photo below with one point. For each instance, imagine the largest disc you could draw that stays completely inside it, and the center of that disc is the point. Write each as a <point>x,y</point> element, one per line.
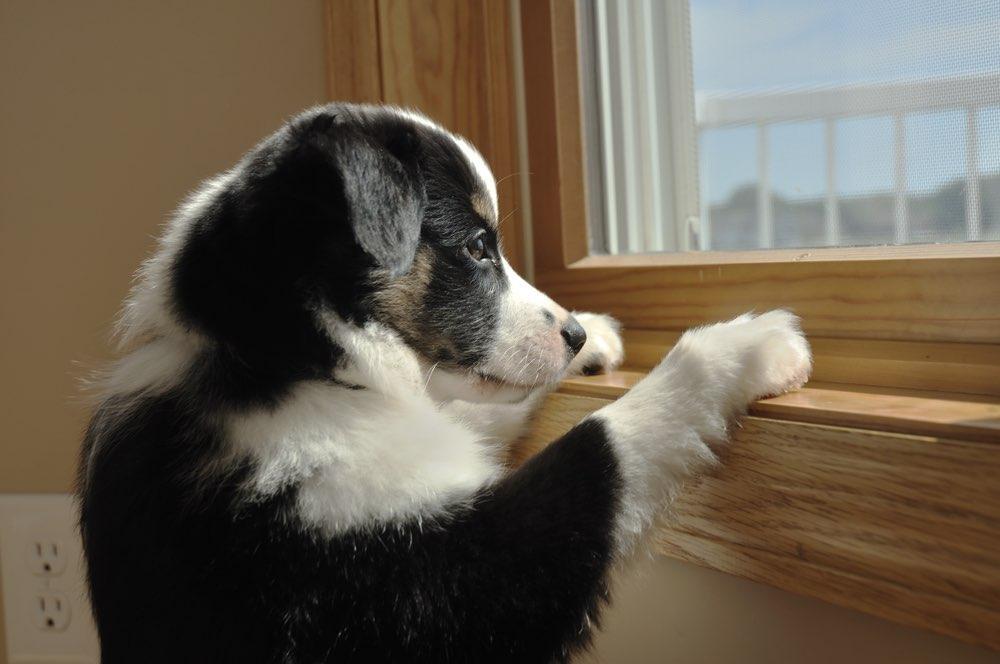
<point>46,557</point>
<point>45,605</point>
<point>52,611</point>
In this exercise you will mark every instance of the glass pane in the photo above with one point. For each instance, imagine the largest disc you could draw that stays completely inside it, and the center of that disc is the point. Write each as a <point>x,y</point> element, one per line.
<point>752,124</point>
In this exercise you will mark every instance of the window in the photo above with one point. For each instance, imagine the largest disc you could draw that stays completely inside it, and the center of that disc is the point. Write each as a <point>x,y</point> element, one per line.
<point>604,238</point>
<point>894,325</point>
<point>739,125</point>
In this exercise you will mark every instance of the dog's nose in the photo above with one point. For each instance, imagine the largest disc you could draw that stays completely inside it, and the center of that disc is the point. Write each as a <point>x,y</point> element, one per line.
<point>573,334</point>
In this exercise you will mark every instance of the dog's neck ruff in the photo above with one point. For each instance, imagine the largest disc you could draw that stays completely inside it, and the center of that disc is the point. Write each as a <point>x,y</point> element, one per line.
<point>357,458</point>
<point>364,458</point>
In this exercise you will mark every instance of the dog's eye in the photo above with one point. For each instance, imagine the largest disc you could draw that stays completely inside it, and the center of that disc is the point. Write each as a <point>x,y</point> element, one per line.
<point>477,248</point>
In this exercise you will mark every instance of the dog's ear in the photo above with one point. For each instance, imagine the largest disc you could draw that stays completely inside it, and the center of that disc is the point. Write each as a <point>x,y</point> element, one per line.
<point>300,221</point>
<point>384,193</point>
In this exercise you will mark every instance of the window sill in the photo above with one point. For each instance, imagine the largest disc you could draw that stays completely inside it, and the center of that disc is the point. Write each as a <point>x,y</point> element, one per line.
<point>918,412</point>
<point>881,499</point>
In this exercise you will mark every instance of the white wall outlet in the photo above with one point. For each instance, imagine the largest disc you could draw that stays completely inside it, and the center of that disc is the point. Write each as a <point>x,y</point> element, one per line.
<point>46,557</point>
<point>52,611</point>
<point>45,605</point>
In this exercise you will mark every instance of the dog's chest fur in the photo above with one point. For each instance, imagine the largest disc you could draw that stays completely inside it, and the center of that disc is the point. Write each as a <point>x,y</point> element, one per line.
<point>357,457</point>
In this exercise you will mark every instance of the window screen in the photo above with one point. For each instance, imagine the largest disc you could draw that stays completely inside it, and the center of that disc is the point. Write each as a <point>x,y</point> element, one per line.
<point>756,124</point>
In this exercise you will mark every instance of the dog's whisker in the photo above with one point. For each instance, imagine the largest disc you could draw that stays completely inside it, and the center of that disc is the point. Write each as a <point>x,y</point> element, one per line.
<point>506,217</point>
<point>430,374</point>
<point>508,176</point>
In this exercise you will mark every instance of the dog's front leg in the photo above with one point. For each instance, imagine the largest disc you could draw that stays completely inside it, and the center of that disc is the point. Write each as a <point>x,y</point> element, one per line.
<point>665,428</point>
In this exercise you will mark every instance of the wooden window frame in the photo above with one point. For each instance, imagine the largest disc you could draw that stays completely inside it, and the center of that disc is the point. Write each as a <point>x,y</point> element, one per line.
<point>822,491</point>
<point>857,518</point>
<point>453,61</point>
<point>875,487</point>
<point>934,293</point>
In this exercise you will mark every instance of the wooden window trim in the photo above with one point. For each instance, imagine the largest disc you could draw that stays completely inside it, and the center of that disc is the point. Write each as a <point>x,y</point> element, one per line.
<point>898,525</point>
<point>956,369</point>
<point>942,293</point>
<point>453,61</point>
<point>843,490</point>
<point>922,388</point>
<point>969,417</point>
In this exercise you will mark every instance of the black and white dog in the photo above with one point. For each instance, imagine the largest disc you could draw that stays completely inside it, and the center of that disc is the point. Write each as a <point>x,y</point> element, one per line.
<point>300,459</point>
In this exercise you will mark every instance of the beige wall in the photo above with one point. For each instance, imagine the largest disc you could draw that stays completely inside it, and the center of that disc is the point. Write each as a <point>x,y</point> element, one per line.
<point>680,613</point>
<point>109,113</point>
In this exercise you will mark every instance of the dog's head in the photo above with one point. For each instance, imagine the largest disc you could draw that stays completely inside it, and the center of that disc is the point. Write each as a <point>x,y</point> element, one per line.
<point>370,214</point>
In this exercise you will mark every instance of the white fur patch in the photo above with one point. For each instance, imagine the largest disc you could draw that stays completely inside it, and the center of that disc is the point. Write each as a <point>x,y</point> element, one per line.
<point>471,154</point>
<point>376,357</point>
<point>362,458</point>
<point>496,424</point>
<point>151,369</point>
<point>662,429</point>
<point>482,170</point>
<point>447,385</point>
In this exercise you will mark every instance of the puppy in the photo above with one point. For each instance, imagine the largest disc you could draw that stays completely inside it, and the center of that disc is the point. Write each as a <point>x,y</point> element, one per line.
<point>300,458</point>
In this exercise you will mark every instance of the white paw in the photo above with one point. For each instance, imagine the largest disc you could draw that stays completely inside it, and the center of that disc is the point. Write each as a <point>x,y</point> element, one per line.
<point>603,351</point>
<point>783,360</point>
<point>752,356</point>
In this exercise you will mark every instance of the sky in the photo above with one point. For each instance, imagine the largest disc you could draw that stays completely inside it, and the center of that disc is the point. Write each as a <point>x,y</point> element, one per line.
<point>741,46</point>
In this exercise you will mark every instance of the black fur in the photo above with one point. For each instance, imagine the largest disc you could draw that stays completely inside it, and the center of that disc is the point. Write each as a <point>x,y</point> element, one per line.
<point>313,211</point>
<point>188,573</point>
<point>186,566</point>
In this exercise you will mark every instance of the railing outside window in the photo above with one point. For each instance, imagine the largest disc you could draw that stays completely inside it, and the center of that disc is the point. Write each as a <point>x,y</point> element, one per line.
<point>674,165</point>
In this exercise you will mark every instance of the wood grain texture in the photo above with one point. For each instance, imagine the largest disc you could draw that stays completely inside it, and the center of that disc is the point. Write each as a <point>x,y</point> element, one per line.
<point>948,299</point>
<point>452,60</point>
<point>942,367</point>
<point>353,69</point>
<point>555,140</point>
<point>502,152</point>
<point>434,59</point>
<point>542,127</point>
<point>962,417</point>
<point>900,526</point>
<point>971,418</point>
